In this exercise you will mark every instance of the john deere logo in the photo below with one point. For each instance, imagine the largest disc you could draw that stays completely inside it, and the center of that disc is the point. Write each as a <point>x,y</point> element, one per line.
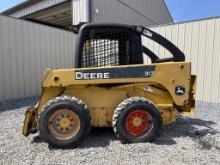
<point>180,90</point>
<point>89,76</point>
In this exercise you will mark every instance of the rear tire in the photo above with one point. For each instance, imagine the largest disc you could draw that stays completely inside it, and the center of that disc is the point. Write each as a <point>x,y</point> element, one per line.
<point>64,121</point>
<point>136,119</point>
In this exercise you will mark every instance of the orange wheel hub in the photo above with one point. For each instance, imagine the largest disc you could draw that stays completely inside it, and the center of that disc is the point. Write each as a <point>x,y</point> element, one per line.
<point>138,123</point>
<point>64,124</point>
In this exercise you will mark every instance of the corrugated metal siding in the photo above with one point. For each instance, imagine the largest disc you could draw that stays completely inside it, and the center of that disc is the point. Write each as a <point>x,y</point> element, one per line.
<point>26,49</point>
<point>199,40</point>
<point>36,7</point>
<point>80,11</point>
<point>141,12</point>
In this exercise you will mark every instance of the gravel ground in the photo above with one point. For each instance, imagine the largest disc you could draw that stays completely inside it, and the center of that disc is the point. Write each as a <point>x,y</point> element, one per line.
<point>190,140</point>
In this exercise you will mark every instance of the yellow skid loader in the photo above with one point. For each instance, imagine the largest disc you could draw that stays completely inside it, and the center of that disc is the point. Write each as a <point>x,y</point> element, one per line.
<point>111,87</point>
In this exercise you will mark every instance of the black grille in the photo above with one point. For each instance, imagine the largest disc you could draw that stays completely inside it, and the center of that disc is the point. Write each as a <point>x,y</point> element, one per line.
<point>105,48</point>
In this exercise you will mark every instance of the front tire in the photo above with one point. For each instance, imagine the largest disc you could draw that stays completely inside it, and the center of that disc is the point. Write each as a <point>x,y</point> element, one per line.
<point>64,121</point>
<point>136,119</point>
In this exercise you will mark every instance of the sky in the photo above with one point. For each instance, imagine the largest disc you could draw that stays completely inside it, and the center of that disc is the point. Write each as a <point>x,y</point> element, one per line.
<point>6,4</point>
<point>181,10</point>
<point>185,10</point>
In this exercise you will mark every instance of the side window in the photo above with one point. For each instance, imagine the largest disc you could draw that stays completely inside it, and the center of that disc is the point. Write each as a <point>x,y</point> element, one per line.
<point>105,48</point>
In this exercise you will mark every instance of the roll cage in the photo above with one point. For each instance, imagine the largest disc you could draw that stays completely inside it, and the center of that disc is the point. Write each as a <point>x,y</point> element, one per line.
<point>118,44</point>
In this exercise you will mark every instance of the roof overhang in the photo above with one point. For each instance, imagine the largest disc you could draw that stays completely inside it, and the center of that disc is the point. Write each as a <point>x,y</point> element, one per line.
<point>58,15</point>
<point>57,12</point>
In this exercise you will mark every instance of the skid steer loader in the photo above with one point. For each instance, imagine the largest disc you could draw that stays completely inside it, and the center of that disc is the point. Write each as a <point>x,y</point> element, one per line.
<point>111,87</point>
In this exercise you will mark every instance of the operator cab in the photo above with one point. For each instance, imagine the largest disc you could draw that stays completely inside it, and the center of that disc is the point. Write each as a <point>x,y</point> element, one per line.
<point>102,45</point>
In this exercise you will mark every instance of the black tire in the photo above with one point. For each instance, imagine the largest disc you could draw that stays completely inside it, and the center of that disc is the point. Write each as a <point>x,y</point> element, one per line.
<point>71,104</point>
<point>120,120</point>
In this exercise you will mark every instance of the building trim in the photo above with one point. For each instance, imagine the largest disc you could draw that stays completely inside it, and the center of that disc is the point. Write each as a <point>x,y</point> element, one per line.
<point>184,22</point>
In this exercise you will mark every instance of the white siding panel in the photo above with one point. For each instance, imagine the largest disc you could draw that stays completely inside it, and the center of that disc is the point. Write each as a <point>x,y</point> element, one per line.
<point>80,11</point>
<point>26,50</point>
<point>199,40</point>
<point>6,60</point>
<point>195,46</point>
<point>201,60</point>
<point>208,60</point>
<point>161,50</point>
<point>1,63</point>
<point>215,73</point>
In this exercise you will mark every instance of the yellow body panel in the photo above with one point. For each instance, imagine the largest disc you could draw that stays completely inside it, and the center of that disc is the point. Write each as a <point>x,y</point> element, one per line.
<point>102,99</point>
<point>167,75</point>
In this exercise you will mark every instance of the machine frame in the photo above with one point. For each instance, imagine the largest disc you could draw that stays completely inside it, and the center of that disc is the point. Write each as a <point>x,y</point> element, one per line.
<point>166,84</point>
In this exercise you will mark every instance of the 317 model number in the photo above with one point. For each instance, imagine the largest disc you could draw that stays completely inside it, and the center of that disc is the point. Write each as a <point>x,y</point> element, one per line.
<point>148,73</point>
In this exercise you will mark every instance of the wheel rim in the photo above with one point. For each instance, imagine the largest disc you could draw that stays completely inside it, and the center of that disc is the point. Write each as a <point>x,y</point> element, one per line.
<point>139,123</point>
<point>64,124</point>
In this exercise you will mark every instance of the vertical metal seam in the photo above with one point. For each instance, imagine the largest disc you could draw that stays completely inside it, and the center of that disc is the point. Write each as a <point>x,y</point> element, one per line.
<point>164,36</point>
<point>1,61</point>
<point>203,81</point>
<point>190,47</point>
<point>218,94</point>
<point>23,70</point>
<point>9,58</point>
<point>184,38</point>
<point>197,56</point>
<point>212,53</point>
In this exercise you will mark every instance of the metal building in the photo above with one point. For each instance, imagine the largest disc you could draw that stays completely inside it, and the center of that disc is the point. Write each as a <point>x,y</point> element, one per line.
<point>199,40</point>
<point>67,12</point>
<point>26,48</point>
